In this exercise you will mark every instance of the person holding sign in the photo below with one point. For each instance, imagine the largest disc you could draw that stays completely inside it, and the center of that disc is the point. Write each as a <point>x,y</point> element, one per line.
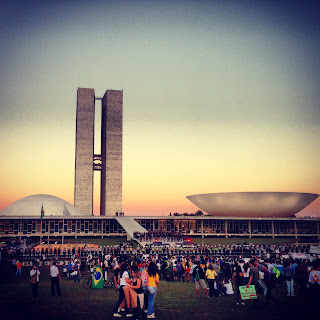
<point>253,279</point>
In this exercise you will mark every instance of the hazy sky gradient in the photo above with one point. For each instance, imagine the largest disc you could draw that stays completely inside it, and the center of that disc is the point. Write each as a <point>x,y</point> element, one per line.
<point>219,96</point>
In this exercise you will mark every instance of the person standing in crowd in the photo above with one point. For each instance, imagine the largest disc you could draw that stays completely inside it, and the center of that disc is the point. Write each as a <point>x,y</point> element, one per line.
<point>137,286</point>
<point>70,269</point>
<point>14,265</point>
<point>144,278</point>
<point>123,281</point>
<point>105,267</point>
<point>64,271</point>
<point>246,273</point>
<point>198,275</point>
<point>253,280</point>
<point>19,269</point>
<point>217,269</point>
<point>289,277</point>
<point>75,272</point>
<point>211,276</point>
<point>188,269</point>
<point>34,281</point>
<point>239,281</point>
<point>314,279</point>
<point>269,282</point>
<point>180,270</point>
<point>55,277</point>
<point>153,281</point>
<point>301,276</point>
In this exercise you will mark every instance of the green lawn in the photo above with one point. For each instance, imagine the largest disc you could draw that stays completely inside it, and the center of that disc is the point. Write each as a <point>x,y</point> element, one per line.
<point>107,241</point>
<point>173,301</point>
<point>241,240</point>
<point>111,241</point>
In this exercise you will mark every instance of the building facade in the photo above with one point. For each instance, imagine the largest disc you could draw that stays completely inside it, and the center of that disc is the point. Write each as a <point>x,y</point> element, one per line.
<point>206,226</point>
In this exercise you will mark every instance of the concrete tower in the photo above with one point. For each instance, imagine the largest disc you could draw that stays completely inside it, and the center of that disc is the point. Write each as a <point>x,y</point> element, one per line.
<point>83,186</point>
<point>111,153</point>
<point>110,160</point>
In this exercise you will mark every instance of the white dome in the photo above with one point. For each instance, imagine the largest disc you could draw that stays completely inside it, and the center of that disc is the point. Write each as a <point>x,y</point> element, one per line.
<point>31,207</point>
<point>253,204</point>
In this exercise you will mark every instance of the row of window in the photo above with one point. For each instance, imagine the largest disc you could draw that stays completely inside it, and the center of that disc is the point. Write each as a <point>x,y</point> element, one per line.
<point>58,226</point>
<point>110,226</point>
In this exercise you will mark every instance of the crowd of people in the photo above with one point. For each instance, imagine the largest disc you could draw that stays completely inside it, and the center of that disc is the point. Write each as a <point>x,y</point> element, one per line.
<point>163,236</point>
<point>219,270</point>
<point>137,284</point>
<point>234,250</point>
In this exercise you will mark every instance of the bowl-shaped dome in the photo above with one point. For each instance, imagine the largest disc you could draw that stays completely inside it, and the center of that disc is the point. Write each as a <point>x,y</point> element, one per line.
<point>31,206</point>
<point>253,204</point>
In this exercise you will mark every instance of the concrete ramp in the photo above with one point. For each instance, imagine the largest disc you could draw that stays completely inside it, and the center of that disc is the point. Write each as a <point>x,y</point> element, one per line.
<point>130,226</point>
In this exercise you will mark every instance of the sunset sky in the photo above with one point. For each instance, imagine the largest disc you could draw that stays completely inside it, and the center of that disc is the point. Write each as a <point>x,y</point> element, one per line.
<point>219,96</point>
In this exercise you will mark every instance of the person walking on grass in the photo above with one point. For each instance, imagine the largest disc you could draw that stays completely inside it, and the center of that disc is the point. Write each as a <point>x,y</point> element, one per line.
<point>198,275</point>
<point>239,281</point>
<point>289,277</point>
<point>55,277</point>
<point>123,281</point>
<point>211,276</point>
<point>19,269</point>
<point>153,281</point>
<point>34,280</point>
<point>253,280</point>
<point>137,287</point>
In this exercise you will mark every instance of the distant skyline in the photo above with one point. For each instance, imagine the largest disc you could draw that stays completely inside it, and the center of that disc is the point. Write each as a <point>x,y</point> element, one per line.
<point>218,96</point>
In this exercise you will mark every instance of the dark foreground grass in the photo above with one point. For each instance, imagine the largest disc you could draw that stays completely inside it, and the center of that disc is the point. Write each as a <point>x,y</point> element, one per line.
<point>173,301</point>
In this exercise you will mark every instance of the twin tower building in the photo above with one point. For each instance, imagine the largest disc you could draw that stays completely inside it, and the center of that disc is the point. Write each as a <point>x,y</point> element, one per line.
<point>109,162</point>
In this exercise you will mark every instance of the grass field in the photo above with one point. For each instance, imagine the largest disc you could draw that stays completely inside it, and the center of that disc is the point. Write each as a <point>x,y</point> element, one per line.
<point>173,301</point>
<point>107,241</point>
<point>111,241</point>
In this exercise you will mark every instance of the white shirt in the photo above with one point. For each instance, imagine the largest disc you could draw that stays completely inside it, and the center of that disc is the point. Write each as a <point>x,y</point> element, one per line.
<point>246,274</point>
<point>228,287</point>
<point>54,271</point>
<point>33,272</point>
<point>123,278</point>
<point>314,277</point>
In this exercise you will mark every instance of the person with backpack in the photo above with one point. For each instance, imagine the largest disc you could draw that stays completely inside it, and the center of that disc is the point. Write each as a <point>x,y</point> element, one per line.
<point>199,275</point>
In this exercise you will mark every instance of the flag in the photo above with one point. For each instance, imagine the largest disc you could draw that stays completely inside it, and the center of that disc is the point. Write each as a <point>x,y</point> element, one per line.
<point>42,212</point>
<point>97,278</point>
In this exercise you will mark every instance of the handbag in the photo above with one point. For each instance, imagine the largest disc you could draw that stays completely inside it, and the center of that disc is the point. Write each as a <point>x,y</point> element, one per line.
<point>33,279</point>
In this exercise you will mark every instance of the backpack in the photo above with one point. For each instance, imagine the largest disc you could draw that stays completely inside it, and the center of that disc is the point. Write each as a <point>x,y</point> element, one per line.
<point>144,278</point>
<point>197,278</point>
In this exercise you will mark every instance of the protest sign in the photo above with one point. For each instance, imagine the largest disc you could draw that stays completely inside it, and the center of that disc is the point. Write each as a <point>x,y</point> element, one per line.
<point>248,293</point>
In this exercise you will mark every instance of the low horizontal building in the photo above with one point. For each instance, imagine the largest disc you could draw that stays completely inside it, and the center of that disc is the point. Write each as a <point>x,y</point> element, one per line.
<point>60,220</point>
